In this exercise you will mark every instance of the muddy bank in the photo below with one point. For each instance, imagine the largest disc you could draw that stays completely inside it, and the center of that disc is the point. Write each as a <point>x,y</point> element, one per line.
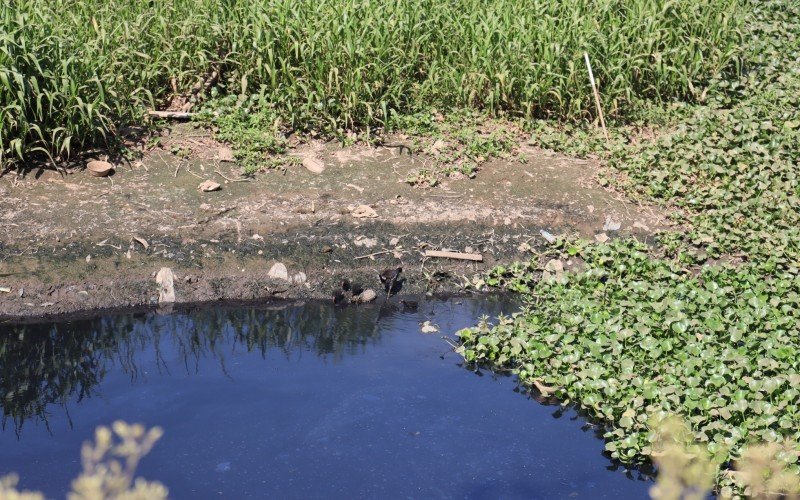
<point>76,243</point>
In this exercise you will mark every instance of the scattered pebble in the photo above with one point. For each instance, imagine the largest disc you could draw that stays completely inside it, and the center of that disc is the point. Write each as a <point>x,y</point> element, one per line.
<point>611,224</point>
<point>278,271</point>
<point>364,212</point>
<point>166,285</point>
<point>208,186</point>
<point>367,295</point>
<point>314,165</point>
<point>553,270</point>
<point>363,241</point>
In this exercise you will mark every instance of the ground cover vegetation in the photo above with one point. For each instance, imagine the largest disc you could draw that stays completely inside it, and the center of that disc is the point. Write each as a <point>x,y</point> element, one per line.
<point>73,74</point>
<point>704,325</point>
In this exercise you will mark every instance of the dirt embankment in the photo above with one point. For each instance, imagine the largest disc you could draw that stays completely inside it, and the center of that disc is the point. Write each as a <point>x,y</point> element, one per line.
<point>77,243</point>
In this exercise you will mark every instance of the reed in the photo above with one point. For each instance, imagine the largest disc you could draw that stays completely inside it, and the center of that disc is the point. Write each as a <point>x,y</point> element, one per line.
<point>72,71</point>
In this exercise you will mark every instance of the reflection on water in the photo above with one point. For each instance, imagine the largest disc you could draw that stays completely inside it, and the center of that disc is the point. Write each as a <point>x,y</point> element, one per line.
<point>46,365</point>
<point>297,401</point>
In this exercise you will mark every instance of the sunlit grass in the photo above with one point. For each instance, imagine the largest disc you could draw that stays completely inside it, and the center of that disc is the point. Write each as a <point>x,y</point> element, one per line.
<point>71,71</point>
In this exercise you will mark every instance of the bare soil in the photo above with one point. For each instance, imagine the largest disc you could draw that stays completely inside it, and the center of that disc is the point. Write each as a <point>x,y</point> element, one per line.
<point>71,243</point>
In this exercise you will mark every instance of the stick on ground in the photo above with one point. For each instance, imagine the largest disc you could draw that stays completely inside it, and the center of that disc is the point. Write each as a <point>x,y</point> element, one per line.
<point>596,96</point>
<point>454,255</point>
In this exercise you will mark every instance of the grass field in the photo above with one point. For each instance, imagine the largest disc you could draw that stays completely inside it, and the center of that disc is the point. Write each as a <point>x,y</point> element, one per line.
<point>72,72</point>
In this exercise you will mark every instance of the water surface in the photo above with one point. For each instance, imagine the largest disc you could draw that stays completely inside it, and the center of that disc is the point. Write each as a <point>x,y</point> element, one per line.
<point>295,401</point>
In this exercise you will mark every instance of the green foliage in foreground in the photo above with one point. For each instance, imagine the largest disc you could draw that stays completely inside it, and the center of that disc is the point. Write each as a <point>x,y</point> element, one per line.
<point>71,71</point>
<point>109,467</point>
<point>642,332</point>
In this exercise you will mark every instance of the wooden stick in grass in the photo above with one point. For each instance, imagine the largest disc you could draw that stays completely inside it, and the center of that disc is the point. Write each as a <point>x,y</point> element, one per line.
<point>596,96</point>
<point>454,255</point>
<point>174,115</point>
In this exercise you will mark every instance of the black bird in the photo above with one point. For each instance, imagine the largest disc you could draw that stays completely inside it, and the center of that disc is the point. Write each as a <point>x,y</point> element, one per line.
<point>389,278</point>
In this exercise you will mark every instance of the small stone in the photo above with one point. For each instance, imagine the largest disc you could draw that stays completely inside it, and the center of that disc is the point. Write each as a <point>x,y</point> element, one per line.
<point>611,224</point>
<point>601,237</point>
<point>166,285</point>
<point>299,278</point>
<point>394,241</point>
<point>209,186</point>
<point>364,212</point>
<point>83,295</point>
<point>88,258</point>
<point>327,249</point>
<point>367,295</point>
<point>278,271</point>
<point>225,154</point>
<point>314,165</point>
<point>553,270</point>
<point>365,242</point>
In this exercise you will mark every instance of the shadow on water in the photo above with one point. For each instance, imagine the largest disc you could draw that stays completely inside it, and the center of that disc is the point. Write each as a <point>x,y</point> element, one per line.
<point>47,365</point>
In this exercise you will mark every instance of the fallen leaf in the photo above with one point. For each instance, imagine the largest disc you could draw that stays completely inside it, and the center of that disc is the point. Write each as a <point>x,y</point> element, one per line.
<point>544,389</point>
<point>601,237</point>
<point>142,242</point>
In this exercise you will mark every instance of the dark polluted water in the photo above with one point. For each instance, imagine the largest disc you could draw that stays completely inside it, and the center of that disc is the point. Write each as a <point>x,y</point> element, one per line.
<point>295,401</point>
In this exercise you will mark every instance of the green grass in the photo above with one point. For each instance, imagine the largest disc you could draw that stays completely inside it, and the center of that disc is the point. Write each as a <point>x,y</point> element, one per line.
<point>707,324</point>
<point>72,72</point>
